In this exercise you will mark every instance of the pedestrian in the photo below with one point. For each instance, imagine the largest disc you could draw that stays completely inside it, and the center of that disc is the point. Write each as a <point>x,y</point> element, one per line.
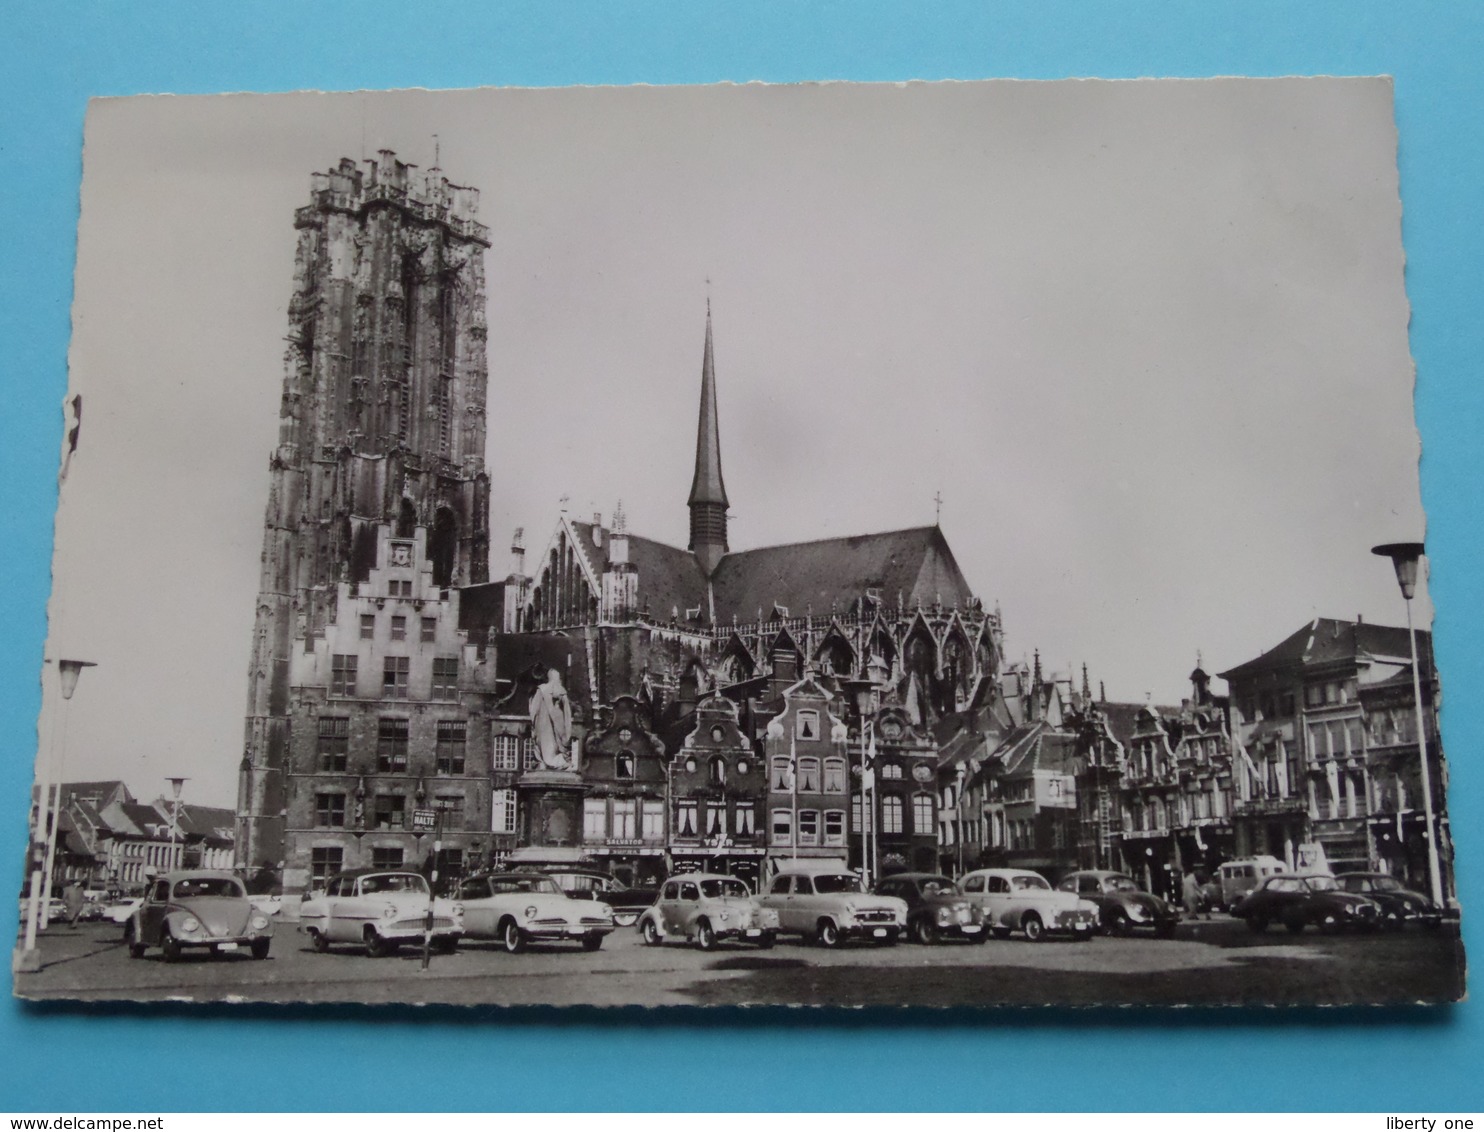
<point>1190,895</point>
<point>72,901</point>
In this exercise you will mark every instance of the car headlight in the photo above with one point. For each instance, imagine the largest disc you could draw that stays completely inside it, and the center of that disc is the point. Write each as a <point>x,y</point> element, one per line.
<point>258,922</point>
<point>388,911</point>
<point>1137,912</point>
<point>456,908</point>
<point>850,908</point>
<point>605,910</point>
<point>945,915</point>
<point>190,924</point>
<point>530,911</point>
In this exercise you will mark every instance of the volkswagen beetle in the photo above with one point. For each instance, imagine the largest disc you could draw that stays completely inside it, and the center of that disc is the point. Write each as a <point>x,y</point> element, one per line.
<point>197,909</point>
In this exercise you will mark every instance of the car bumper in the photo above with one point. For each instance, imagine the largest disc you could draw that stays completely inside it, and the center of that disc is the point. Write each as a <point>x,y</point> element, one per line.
<point>554,932</point>
<point>221,942</point>
<point>873,933</point>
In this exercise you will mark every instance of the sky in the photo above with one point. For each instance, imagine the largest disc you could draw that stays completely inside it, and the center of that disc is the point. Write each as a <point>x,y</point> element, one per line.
<point>1147,339</point>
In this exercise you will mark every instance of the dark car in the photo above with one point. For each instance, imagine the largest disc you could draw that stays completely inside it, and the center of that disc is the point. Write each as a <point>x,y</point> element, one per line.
<point>1297,900</point>
<point>1400,905</point>
<point>589,884</point>
<point>936,909</point>
<point>1122,904</point>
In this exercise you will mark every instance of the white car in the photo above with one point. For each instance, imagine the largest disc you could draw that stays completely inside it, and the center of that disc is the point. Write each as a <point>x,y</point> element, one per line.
<point>1019,900</point>
<point>823,901</point>
<point>518,908</point>
<point>380,909</point>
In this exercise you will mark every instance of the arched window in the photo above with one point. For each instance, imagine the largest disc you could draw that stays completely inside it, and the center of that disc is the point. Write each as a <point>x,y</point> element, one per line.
<point>891,770</point>
<point>834,776</point>
<point>891,814</point>
<point>809,776</point>
<point>779,779</point>
<point>924,815</point>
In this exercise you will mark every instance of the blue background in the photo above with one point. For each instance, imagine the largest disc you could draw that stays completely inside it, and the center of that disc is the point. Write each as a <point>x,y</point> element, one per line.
<point>54,56</point>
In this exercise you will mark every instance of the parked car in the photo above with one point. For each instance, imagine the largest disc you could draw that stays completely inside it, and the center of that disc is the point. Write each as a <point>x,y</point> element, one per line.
<point>91,912</point>
<point>1400,905</point>
<point>706,909</point>
<point>1122,905</point>
<point>520,908</point>
<point>268,905</point>
<point>379,909</point>
<point>197,909</point>
<point>120,911</point>
<point>1296,900</point>
<point>1238,878</point>
<point>823,901</point>
<point>936,909</point>
<point>1019,900</point>
<point>583,884</point>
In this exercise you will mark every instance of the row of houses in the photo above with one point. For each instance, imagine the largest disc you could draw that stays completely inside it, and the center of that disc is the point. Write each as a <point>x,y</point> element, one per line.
<point>110,841</point>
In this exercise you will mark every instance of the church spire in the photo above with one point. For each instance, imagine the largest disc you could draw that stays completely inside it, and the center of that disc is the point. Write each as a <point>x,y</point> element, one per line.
<point>708,494</point>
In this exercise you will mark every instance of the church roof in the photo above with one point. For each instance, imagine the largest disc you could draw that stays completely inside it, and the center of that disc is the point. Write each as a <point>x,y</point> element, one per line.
<point>915,563</point>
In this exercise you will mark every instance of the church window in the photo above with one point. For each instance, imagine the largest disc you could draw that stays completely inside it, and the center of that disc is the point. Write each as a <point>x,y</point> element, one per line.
<point>834,776</point>
<point>806,725</point>
<point>329,811</point>
<point>391,811</point>
<point>394,674</point>
<point>391,746</point>
<point>445,677</point>
<point>452,743</point>
<point>334,739</point>
<point>808,776</point>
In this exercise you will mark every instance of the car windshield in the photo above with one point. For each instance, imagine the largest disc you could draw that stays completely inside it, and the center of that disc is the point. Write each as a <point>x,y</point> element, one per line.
<point>1386,884</point>
<point>394,882</point>
<point>938,886</point>
<point>837,882</point>
<point>207,886</point>
<point>1028,880</point>
<point>1120,884</point>
<point>716,888</point>
<point>525,884</point>
<point>1322,884</point>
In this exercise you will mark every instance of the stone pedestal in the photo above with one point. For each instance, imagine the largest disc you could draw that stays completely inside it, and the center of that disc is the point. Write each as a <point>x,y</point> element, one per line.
<point>550,808</point>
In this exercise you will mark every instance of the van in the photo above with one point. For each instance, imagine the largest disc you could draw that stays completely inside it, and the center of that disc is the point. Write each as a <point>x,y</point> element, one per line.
<point>1241,876</point>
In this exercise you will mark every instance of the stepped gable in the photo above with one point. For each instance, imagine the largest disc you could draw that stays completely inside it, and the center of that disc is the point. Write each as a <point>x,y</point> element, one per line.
<point>915,563</point>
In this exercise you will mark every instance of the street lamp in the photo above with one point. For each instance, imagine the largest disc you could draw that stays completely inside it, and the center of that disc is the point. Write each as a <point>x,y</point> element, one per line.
<point>68,672</point>
<point>1404,557</point>
<point>175,785</point>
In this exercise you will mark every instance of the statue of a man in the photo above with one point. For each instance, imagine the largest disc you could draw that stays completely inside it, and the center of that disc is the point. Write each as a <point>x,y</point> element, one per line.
<point>551,722</point>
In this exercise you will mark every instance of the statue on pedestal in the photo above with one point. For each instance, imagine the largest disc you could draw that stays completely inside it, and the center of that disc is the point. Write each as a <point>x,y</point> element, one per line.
<point>551,724</point>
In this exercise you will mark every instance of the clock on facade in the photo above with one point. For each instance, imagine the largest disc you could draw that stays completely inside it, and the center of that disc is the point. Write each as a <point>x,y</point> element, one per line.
<point>891,729</point>
<point>922,772</point>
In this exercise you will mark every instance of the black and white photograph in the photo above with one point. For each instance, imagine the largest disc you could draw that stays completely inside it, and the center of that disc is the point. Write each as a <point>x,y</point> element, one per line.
<point>906,544</point>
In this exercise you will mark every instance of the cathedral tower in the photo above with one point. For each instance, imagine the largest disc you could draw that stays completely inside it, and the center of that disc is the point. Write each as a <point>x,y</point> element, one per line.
<point>381,431</point>
<point>708,494</point>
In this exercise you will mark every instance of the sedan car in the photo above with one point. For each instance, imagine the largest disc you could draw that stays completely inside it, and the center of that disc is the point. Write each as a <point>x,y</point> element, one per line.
<point>936,909</point>
<point>197,909</point>
<point>705,909</point>
<point>1122,905</point>
<point>380,909</point>
<point>588,884</point>
<point>519,908</point>
<point>1299,900</point>
<point>1019,900</point>
<point>824,902</point>
<point>1400,906</point>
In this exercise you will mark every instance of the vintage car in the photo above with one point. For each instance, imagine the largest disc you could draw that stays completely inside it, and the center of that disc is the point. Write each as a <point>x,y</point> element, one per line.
<point>1297,900</point>
<point>705,909</point>
<point>823,901</point>
<point>380,909</point>
<point>1019,900</point>
<point>589,884</point>
<point>122,910</point>
<point>1400,905</point>
<point>1238,878</point>
<point>519,908</point>
<point>1122,905</point>
<point>197,909</point>
<point>936,909</point>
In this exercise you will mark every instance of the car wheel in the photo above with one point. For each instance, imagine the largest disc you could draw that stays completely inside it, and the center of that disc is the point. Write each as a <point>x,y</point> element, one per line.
<point>592,942</point>
<point>260,948</point>
<point>1001,933</point>
<point>766,941</point>
<point>318,940</point>
<point>512,938</point>
<point>136,949</point>
<point>705,936</point>
<point>1294,926</point>
<point>924,932</point>
<point>827,934</point>
<point>1258,924</point>
<point>378,947</point>
<point>1034,929</point>
<point>650,933</point>
<point>170,946</point>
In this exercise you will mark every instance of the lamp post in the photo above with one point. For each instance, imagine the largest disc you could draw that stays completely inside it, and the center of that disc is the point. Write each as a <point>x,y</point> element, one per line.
<point>175,785</point>
<point>68,672</point>
<point>1404,558</point>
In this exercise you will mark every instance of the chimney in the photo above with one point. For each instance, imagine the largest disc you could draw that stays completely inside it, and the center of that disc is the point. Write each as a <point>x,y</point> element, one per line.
<point>518,552</point>
<point>598,529</point>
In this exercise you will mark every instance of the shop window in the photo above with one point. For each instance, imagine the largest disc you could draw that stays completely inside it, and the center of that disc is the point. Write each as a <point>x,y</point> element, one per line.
<point>783,827</point>
<point>834,827</point>
<point>624,818</point>
<point>654,820</point>
<point>808,827</point>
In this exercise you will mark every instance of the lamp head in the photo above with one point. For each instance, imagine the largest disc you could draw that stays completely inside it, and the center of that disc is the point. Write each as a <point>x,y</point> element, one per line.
<point>176,784</point>
<point>1404,558</point>
<point>69,671</point>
